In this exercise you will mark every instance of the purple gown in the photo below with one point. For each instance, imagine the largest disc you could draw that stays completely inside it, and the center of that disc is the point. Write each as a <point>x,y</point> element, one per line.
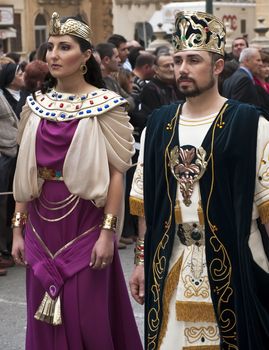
<point>95,306</point>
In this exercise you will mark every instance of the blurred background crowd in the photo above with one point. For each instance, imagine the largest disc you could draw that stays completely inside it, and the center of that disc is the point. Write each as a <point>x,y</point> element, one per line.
<point>145,78</point>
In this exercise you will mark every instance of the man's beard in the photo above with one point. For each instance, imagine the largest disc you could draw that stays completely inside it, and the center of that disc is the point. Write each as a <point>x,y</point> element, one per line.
<point>195,90</point>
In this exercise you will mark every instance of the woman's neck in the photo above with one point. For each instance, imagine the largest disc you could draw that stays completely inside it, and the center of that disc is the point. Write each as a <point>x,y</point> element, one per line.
<point>74,86</point>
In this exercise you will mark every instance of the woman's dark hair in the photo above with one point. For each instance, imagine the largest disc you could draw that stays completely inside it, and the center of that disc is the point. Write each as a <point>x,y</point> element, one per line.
<point>93,75</point>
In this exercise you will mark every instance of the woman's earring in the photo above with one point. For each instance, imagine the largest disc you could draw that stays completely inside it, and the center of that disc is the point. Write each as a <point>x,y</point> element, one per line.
<point>83,68</point>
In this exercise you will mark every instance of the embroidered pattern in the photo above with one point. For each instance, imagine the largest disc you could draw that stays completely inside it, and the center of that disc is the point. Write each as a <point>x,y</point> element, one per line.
<point>200,334</point>
<point>187,166</point>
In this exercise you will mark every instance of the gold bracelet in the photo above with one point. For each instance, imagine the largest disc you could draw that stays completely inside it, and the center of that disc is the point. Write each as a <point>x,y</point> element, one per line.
<point>139,252</point>
<point>18,220</point>
<point>109,222</point>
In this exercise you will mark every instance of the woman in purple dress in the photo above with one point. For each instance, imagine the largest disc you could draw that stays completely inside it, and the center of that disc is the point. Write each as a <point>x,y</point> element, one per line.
<point>75,144</point>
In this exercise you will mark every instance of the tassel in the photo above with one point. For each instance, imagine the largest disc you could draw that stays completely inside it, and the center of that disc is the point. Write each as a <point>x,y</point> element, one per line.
<point>49,310</point>
<point>136,206</point>
<point>178,214</point>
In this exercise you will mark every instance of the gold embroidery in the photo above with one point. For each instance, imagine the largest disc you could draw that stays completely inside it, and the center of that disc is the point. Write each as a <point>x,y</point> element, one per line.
<point>191,311</point>
<point>187,171</point>
<point>159,261</point>
<point>202,347</point>
<point>194,334</point>
<point>263,172</point>
<point>170,287</point>
<point>53,256</point>
<point>220,268</point>
<point>264,212</point>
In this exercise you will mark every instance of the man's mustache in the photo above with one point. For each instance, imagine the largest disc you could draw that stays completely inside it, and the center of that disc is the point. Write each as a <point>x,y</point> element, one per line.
<point>185,78</point>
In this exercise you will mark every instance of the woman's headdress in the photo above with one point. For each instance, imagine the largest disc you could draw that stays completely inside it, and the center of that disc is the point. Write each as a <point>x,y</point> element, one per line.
<point>70,27</point>
<point>199,31</point>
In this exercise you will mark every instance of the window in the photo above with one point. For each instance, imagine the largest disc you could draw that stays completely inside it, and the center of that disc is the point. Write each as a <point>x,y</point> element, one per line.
<point>40,30</point>
<point>243,26</point>
<point>16,44</point>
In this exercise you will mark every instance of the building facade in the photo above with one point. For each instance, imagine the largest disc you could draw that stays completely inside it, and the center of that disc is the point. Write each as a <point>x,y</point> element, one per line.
<point>24,23</point>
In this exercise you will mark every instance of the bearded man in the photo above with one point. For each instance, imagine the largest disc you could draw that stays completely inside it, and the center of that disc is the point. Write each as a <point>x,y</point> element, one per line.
<point>200,186</point>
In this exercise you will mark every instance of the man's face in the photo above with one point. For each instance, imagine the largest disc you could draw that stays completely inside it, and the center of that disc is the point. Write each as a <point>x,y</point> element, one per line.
<point>114,61</point>
<point>194,72</point>
<point>238,46</point>
<point>254,63</point>
<point>165,69</point>
<point>123,52</point>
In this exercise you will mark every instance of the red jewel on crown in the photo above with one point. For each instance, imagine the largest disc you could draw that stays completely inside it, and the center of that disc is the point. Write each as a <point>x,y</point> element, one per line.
<point>77,106</point>
<point>61,105</point>
<point>50,104</point>
<point>91,102</point>
<point>206,29</point>
<point>105,97</point>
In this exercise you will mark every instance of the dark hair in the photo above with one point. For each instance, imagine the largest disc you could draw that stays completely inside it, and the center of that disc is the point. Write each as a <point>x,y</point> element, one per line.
<point>161,50</point>
<point>41,52</point>
<point>35,74</point>
<point>144,59</point>
<point>133,54</point>
<point>93,75</point>
<point>157,58</point>
<point>14,56</point>
<point>240,38</point>
<point>105,50</point>
<point>216,57</point>
<point>116,39</point>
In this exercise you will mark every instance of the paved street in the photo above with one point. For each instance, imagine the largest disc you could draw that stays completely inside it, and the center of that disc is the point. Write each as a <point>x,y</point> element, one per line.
<point>12,304</point>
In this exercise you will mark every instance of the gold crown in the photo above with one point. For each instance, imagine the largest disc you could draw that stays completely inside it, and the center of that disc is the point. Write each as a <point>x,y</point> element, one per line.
<point>199,31</point>
<point>70,27</point>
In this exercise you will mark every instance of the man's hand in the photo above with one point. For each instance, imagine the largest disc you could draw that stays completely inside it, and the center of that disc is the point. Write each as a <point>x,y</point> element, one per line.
<point>137,284</point>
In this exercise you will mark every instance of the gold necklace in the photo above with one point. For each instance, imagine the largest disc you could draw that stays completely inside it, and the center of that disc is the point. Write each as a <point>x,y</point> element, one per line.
<point>60,207</point>
<point>60,202</point>
<point>61,217</point>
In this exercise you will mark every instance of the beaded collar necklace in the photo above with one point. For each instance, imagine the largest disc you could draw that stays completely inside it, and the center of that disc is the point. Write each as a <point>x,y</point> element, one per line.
<point>59,106</point>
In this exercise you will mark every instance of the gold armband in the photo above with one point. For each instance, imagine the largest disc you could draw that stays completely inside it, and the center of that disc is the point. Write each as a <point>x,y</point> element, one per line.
<point>18,220</point>
<point>109,222</point>
<point>139,252</point>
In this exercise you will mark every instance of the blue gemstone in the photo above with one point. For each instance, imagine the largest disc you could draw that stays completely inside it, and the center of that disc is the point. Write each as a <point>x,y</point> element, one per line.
<point>89,111</point>
<point>115,101</point>
<point>37,108</point>
<point>121,98</point>
<point>53,114</point>
<point>32,103</point>
<point>71,98</point>
<point>53,95</point>
<point>106,106</point>
<point>70,116</point>
<point>48,113</point>
<point>58,173</point>
<point>83,98</point>
<point>60,96</point>
<point>80,113</point>
<point>41,111</point>
<point>31,98</point>
<point>99,109</point>
<point>94,93</point>
<point>62,115</point>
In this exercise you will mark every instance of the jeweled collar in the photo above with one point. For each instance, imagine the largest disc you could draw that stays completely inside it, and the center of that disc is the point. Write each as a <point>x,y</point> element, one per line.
<point>59,106</point>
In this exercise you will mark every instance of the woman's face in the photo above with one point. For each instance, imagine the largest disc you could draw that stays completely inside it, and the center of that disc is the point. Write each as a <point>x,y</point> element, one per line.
<point>64,56</point>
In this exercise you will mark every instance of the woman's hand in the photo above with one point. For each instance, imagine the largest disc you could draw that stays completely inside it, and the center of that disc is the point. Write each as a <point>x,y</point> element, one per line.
<point>103,250</point>
<point>18,247</point>
<point>137,284</point>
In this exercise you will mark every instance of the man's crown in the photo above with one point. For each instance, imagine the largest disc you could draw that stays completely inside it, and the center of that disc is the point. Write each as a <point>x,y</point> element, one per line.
<point>199,31</point>
<point>70,27</point>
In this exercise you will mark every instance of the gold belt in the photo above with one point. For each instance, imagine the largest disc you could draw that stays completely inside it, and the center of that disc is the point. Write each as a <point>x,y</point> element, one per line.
<point>191,234</point>
<point>50,174</point>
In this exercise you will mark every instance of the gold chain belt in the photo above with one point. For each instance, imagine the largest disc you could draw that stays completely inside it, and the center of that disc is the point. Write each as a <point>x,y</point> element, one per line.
<point>191,234</point>
<point>50,174</point>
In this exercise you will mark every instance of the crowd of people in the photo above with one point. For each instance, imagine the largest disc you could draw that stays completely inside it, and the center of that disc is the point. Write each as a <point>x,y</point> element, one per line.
<point>71,173</point>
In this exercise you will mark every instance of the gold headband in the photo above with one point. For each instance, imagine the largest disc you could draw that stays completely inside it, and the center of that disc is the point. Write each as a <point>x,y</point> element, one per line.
<point>199,31</point>
<point>70,27</point>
